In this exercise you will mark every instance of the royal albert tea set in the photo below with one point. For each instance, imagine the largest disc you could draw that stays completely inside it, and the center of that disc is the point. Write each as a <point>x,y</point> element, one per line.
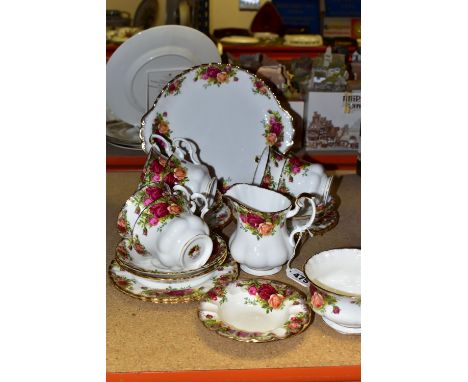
<point>217,141</point>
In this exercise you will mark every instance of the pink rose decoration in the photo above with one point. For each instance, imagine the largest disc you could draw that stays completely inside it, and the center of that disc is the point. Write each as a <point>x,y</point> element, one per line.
<point>154,192</point>
<point>296,170</point>
<point>204,76</point>
<point>222,76</point>
<point>275,300</point>
<point>121,225</point>
<point>139,248</point>
<point>294,326</point>
<point>265,291</point>
<point>174,209</point>
<point>295,162</point>
<point>170,179</point>
<point>163,127</point>
<point>254,220</point>
<point>265,228</point>
<point>180,173</point>
<point>252,290</point>
<point>317,300</point>
<point>156,167</point>
<point>276,128</point>
<point>148,201</point>
<point>211,294</point>
<point>212,71</point>
<point>271,138</point>
<point>153,221</point>
<point>156,178</point>
<point>336,309</point>
<point>159,210</point>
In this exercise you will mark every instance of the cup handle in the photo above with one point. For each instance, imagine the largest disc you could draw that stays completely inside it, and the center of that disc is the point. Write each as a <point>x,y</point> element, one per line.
<point>204,210</point>
<point>293,212</point>
<point>183,189</point>
<point>190,147</point>
<point>168,147</point>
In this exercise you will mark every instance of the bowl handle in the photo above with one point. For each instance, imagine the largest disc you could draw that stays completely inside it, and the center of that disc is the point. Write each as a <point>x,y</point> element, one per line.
<point>299,205</point>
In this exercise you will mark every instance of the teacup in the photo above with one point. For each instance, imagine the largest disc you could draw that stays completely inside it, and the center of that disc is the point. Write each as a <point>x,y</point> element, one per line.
<point>291,175</point>
<point>136,203</point>
<point>169,232</point>
<point>335,288</point>
<point>174,169</point>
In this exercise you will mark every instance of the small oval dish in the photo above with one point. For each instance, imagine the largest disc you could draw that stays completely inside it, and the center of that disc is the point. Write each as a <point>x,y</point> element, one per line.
<point>255,310</point>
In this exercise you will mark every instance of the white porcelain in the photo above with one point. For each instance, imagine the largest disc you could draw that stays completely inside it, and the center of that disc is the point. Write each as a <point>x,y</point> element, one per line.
<point>135,204</point>
<point>228,112</point>
<point>256,310</point>
<point>171,234</point>
<point>290,175</point>
<point>144,63</point>
<point>192,290</point>
<point>261,242</point>
<point>335,288</point>
<point>130,259</point>
<point>190,173</point>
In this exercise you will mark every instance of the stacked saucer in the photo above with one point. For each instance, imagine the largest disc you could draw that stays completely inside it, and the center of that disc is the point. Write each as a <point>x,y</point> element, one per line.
<point>136,275</point>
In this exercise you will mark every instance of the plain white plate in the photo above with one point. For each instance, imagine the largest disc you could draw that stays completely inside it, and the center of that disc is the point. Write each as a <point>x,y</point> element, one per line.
<point>144,63</point>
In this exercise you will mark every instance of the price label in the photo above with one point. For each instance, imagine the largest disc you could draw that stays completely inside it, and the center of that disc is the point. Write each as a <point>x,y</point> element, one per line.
<point>298,276</point>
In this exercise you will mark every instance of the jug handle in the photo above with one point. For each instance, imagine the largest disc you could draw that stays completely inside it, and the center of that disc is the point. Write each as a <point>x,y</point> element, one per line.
<point>169,149</point>
<point>293,212</point>
<point>189,147</point>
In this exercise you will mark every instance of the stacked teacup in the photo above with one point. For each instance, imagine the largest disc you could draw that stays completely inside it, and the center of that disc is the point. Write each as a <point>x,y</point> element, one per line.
<point>167,252</point>
<point>294,177</point>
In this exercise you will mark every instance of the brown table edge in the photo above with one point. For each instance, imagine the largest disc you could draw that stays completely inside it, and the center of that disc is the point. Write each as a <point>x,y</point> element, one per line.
<point>299,374</point>
<point>330,162</point>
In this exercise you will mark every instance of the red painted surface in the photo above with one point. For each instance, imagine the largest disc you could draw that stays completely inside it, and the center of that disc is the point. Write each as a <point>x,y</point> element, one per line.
<point>306,374</point>
<point>330,162</point>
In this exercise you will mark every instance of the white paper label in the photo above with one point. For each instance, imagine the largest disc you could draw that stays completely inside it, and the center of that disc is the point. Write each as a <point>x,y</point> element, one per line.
<point>298,276</point>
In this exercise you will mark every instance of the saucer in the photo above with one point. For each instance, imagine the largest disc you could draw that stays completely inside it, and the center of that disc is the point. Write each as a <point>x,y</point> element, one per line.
<point>320,226</point>
<point>340,328</point>
<point>130,260</point>
<point>255,310</point>
<point>137,287</point>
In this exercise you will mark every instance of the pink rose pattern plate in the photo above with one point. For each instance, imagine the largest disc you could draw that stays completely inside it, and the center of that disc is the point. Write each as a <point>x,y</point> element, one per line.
<point>229,113</point>
<point>131,285</point>
<point>269,296</point>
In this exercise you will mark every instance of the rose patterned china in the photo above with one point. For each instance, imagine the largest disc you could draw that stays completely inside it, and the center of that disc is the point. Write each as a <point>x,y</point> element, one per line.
<point>230,113</point>
<point>290,175</point>
<point>169,232</point>
<point>192,174</point>
<point>135,286</point>
<point>257,310</point>
<point>219,215</point>
<point>320,226</point>
<point>335,288</point>
<point>139,264</point>
<point>261,242</point>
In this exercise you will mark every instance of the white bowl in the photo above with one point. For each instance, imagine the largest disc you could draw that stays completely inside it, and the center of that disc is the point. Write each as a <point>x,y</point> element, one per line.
<point>335,288</point>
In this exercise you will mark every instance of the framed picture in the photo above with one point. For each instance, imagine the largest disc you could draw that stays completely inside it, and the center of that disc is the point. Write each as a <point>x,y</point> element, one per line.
<point>333,121</point>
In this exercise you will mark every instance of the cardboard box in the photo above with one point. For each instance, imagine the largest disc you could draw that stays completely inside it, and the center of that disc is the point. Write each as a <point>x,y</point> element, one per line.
<point>333,121</point>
